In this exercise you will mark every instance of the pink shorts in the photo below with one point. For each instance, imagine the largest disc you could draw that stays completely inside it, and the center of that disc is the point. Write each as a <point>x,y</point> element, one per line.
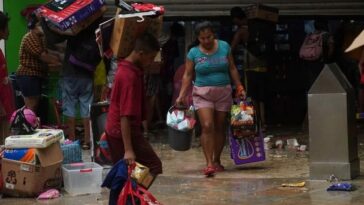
<point>218,98</point>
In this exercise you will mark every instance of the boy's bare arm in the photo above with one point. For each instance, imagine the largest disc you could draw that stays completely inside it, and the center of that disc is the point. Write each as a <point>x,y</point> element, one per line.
<point>129,155</point>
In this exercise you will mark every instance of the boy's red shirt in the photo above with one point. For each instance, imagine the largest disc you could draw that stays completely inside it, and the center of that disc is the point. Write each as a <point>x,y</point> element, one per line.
<point>127,99</point>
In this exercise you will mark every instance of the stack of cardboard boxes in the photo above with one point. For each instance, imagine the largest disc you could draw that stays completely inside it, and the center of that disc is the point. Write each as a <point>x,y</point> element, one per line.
<point>40,170</point>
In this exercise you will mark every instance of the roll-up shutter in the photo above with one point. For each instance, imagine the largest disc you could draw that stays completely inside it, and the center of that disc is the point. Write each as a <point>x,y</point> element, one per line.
<point>196,8</point>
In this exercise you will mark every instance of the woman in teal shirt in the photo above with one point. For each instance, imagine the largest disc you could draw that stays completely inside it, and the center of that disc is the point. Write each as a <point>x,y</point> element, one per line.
<point>211,63</point>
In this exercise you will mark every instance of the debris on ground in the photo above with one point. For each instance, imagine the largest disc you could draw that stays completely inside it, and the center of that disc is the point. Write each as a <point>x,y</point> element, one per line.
<point>50,194</point>
<point>292,143</point>
<point>341,187</point>
<point>333,178</point>
<point>299,184</point>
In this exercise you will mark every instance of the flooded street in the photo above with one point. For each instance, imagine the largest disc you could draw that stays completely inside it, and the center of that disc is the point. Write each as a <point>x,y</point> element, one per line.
<point>183,183</point>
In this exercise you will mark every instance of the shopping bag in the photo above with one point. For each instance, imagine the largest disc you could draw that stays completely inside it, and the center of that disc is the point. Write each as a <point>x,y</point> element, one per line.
<point>128,27</point>
<point>247,149</point>
<point>134,194</point>
<point>102,151</point>
<point>100,74</point>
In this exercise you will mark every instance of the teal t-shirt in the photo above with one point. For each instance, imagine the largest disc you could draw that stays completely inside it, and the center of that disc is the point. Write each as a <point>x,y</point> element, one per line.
<point>213,69</point>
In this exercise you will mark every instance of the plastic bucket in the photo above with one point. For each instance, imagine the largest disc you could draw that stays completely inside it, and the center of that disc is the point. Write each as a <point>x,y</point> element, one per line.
<point>179,140</point>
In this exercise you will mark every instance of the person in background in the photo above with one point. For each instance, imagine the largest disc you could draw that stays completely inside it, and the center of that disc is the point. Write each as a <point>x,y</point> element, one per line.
<point>110,74</point>
<point>152,83</point>
<point>34,60</point>
<point>240,38</point>
<point>7,105</point>
<point>127,110</point>
<point>315,67</point>
<point>212,64</point>
<point>81,58</point>
<point>170,54</point>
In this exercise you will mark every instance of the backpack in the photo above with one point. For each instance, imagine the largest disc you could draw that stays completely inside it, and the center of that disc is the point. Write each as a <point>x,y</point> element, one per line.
<point>23,121</point>
<point>312,47</point>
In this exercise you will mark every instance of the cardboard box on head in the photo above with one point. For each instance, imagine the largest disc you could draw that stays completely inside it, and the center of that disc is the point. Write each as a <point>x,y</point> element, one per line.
<point>263,12</point>
<point>69,13</point>
<point>78,27</point>
<point>23,179</point>
<point>127,29</point>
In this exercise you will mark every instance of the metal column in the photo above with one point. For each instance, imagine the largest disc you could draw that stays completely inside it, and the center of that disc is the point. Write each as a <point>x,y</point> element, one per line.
<point>332,127</point>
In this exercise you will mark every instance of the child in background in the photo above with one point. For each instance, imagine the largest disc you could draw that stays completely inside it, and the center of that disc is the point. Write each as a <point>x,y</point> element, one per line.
<point>127,109</point>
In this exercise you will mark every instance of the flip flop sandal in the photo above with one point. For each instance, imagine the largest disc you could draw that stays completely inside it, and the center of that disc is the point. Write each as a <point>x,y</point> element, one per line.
<point>209,171</point>
<point>219,168</point>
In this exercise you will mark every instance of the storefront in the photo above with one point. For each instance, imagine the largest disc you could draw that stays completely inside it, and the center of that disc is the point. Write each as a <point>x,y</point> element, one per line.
<point>286,94</point>
<point>286,82</point>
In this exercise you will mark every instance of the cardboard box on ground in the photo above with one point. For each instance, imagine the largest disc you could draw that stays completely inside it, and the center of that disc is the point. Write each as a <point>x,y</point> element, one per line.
<point>23,179</point>
<point>41,138</point>
<point>263,12</point>
<point>127,30</point>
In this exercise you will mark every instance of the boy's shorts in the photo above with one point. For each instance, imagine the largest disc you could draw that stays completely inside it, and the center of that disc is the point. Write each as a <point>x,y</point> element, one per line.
<point>215,97</point>
<point>143,151</point>
<point>77,91</point>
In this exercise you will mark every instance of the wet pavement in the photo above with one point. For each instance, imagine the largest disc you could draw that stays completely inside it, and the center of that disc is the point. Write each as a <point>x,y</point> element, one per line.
<point>182,182</point>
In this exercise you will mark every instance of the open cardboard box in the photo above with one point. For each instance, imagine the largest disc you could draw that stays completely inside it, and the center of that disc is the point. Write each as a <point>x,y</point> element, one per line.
<point>128,27</point>
<point>41,138</point>
<point>23,179</point>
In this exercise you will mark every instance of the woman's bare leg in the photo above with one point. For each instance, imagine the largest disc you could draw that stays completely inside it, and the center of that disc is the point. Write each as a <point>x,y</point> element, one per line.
<point>220,135</point>
<point>206,116</point>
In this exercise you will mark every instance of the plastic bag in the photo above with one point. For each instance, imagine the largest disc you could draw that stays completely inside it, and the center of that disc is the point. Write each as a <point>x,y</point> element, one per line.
<point>341,187</point>
<point>242,114</point>
<point>50,194</point>
<point>244,119</point>
<point>181,119</point>
<point>133,194</point>
<point>100,74</point>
